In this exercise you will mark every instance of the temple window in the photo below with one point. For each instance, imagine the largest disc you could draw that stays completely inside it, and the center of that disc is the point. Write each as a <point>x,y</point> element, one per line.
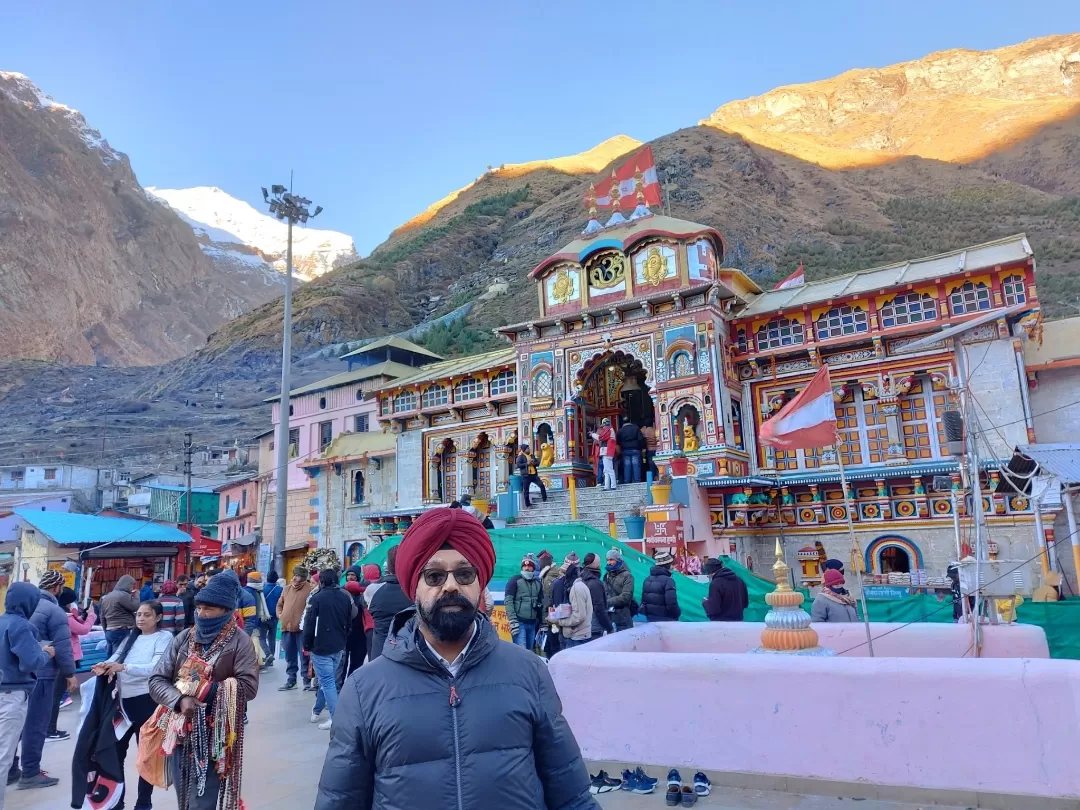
<point>358,487</point>
<point>862,431</point>
<point>505,382</point>
<point>908,308</point>
<point>970,297</point>
<point>405,401</point>
<point>436,395</point>
<point>469,388</point>
<point>920,421</point>
<point>740,341</point>
<point>682,364</point>
<point>542,384</point>
<point>778,333</point>
<point>736,424</point>
<point>1013,287</point>
<point>840,321</point>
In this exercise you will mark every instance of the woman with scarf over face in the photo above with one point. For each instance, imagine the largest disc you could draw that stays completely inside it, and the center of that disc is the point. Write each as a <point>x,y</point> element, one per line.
<point>202,686</point>
<point>834,603</point>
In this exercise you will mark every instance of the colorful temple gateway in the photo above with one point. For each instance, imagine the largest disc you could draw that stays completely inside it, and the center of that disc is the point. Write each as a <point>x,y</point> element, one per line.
<point>641,320</point>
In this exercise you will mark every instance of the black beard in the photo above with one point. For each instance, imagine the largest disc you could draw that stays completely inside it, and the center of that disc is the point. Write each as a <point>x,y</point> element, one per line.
<point>448,625</point>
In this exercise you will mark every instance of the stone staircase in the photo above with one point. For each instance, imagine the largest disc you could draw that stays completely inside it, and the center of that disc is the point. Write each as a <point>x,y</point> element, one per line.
<point>594,504</point>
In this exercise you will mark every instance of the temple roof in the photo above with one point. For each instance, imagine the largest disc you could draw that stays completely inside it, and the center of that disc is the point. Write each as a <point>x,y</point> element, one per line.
<point>456,367</point>
<point>1009,250</point>
<point>626,235</point>
<point>392,342</point>
<point>387,368</point>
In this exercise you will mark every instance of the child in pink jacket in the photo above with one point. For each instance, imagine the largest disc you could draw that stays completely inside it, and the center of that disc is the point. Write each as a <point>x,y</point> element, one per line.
<point>79,629</point>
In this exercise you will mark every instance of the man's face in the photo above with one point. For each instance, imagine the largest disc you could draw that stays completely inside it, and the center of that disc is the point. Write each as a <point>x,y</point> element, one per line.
<point>448,608</point>
<point>210,611</point>
<point>296,580</point>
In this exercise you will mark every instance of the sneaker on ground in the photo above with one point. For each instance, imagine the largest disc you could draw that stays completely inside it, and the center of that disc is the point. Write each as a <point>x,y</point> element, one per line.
<point>67,701</point>
<point>327,724</point>
<point>689,798</point>
<point>287,686</point>
<point>673,778</point>
<point>38,780</point>
<point>673,795</point>
<point>644,777</point>
<point>702,785</point>
<point>316,717</point>
<point>13,777</point>
<point>601,784</point>
<point>57,735</point>
<point>637,786</point>
<point>627,778</point>
<point>309,687</point>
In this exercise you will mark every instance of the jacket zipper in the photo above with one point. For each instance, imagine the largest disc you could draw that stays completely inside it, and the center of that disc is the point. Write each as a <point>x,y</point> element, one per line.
<point>455,701</point>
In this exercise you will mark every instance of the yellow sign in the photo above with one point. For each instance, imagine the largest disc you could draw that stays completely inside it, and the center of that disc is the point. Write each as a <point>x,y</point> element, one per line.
<point>501,623</point>
<point>69,576</point>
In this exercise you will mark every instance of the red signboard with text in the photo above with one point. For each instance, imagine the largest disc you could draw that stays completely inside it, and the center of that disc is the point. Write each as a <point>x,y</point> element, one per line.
<point>664,533</point>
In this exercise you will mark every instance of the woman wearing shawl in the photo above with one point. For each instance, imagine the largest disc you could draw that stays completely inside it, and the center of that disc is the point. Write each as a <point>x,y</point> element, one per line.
<point>202,686</point>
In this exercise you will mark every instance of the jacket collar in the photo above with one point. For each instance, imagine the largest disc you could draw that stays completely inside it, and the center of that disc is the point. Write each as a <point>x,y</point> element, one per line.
<point>405,645</point>
<point>659,571</point>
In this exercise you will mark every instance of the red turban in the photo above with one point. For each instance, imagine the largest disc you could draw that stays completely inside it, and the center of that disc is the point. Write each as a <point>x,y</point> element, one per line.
<point>454,527</point>
<point>355,588</point>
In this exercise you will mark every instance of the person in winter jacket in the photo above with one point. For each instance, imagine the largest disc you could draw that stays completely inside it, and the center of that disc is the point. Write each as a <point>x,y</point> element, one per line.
<point>271,593</point>
<point>172,606</point>
<point>601,617</point>
<point>833,603</point>
<point>727,597</point>
<point>549,572</point>
<point>528,467</point>
<point>80,625</point>
<point>659,602</point>
<point>449,717</point>
<point>577,627</point>
<point>51,625</point>
<point>20,657</point>
<point>66,600</point>
<point>247,604</point>
<point>356,642</point>
<point>385,600</point>
<point>185,589</point>
<point>146,593</point>
<point>523,601</point>
<point>371,574</point>
<point>290,610</point>
<point>619,590</point>
<point>256,617</point>
<point>118,608</point>
<point>631,443</point>
<point>608,448</point>
<point>327,622</point>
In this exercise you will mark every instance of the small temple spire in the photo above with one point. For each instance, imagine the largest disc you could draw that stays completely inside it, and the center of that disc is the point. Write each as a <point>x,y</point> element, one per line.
<point>642,209</point>
<point>616,218</point>
<point>593,224</point>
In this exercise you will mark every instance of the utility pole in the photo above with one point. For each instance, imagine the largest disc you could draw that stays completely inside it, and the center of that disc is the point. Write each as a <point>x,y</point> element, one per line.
<point>292,209</point>
<point>187,474</point>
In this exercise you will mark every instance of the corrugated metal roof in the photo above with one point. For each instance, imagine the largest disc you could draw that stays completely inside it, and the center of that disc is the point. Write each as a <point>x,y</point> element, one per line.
<point>387,368</point>
<point>393,342</point>
<point>351,445</point>
<point>11,501</point>
<point>178,488</point>
<point>92,530</point>
<point>980,257</point>
<point>457,367</point>
<point>1062,460</point>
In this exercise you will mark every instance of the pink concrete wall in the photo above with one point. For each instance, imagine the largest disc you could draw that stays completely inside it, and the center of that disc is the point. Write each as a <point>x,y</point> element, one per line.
<point>910,641</point>
<point>891,721</point>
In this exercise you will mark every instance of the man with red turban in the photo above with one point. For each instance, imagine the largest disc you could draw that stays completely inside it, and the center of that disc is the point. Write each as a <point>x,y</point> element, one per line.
<point>450,716</point>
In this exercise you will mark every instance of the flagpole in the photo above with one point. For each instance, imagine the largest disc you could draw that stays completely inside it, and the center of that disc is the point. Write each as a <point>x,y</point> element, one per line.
<point>854,549</point>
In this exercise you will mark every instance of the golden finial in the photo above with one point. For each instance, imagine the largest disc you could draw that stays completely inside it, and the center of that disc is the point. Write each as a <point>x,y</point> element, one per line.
<point>590,199</point>
<point>781,569</point>
<point>615,201</point>
<point>639,184</point>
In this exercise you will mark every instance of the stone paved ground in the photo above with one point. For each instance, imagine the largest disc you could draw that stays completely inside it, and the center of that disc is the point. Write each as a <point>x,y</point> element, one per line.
<point>284,755</point>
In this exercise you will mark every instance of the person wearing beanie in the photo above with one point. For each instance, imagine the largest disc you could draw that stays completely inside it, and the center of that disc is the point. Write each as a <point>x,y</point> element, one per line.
<point>833,564</point>
<point>385,599</point>
<point>290,612</point>
<point>256,614</point>
<point>172,606</point>
<point>407,724</point>
<point>20,657</point>
<point>118,608</point>
<point>206,708</point>
<point>833,603</point>
<point>51,626</point>
<point>356,643</point>
<point>327,622</point>
<point>659,602</point>
<point>728,597</point>
<point>619,590</point>
<point>549,572</point>
<point>271,593</point>
<point>523,601</point>
<point>601,616</point>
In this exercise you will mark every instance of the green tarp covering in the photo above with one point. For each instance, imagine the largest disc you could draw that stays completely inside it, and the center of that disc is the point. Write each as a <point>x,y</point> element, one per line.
<point>1060,620</point>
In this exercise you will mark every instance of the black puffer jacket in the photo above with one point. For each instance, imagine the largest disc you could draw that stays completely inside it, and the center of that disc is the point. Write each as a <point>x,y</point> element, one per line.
<point>658,600</point>
<point>407,735</point>
<point>329,617</point>
<point>601,619</point>
<point>728,597</point>
<point>385,600</point>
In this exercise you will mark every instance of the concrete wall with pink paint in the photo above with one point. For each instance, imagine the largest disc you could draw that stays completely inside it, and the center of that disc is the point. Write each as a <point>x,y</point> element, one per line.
<point>885,721</point>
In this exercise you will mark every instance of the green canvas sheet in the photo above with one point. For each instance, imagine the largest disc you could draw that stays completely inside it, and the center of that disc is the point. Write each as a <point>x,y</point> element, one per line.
<point>1060,620</point>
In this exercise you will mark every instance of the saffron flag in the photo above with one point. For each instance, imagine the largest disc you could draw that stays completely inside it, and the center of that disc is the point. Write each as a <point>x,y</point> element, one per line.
<point>796,279</point>
<point>641,162</point>
<point>808,420</point>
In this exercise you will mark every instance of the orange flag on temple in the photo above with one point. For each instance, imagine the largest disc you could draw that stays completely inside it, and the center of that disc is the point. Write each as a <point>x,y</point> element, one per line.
<point>808,420</point>
<point>642,164</point>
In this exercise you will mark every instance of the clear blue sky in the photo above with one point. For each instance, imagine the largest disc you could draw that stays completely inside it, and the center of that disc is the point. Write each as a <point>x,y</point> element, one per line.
<point>384,107</point>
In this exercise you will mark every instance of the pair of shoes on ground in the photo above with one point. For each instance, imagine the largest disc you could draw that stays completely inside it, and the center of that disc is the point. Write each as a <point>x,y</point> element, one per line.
<point>602,783</point>
<point>637,781</point>
<point>678,793</point>
<point>39,780</point>
<point>325,725</point>
<point>54,736</point>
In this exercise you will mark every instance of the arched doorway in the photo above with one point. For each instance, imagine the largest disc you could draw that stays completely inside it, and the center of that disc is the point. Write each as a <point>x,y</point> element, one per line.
<point>447,471</point>
<point>893,554</point>
<point>615,386</point>
<point>480,460</point>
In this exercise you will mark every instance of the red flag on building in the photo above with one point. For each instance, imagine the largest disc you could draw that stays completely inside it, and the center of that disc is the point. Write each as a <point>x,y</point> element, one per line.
<point>796,279</point>
<point>808,420</point>
<point>641,162</point>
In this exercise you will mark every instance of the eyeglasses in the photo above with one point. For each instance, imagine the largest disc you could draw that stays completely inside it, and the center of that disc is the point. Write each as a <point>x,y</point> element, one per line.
<point>435,577</point>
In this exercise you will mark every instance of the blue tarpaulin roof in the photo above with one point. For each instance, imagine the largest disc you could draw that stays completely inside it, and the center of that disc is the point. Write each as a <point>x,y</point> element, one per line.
<point>91,530</point>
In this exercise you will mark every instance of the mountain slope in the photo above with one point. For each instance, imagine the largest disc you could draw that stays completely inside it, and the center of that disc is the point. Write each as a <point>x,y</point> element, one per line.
<point>226,225</point>
<point>91,270</point>
<point>956,106</point>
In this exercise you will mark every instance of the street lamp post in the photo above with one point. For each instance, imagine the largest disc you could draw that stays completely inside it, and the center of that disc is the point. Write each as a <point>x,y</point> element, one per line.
<point>292,209</point>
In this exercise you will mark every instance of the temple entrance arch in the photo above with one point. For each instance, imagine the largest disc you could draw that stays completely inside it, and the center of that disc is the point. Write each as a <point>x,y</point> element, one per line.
<point>614,385</point>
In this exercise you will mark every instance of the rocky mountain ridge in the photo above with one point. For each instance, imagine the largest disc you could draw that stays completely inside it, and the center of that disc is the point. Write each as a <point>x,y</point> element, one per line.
<point>92,270</point>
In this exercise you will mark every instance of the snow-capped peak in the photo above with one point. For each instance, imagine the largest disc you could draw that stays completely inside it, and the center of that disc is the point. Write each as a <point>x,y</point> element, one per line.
<point>219,218</point>
<point>20,89</point>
